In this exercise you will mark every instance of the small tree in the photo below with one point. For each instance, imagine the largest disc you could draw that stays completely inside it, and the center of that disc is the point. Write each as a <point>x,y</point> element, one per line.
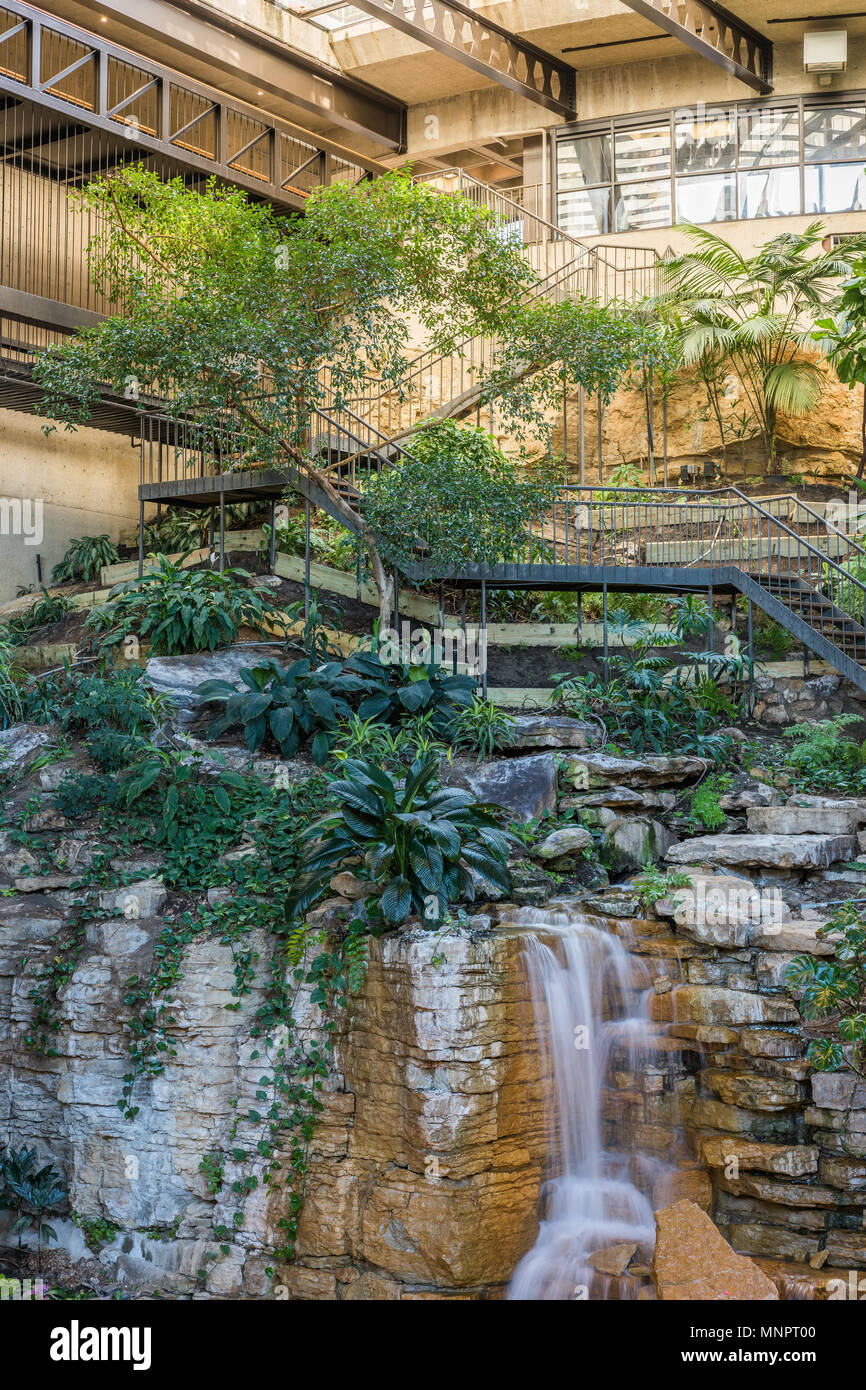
<point>759,314</point>
<point>842,336</point>
<point>227,310</point>
<point>457,499</point>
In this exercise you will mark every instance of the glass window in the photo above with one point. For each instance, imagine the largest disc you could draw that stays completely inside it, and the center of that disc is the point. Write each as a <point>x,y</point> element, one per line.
<point>835,132</point>
<point>835,188</point>
<point>639,205</point>
<point>705,144</point>
<point>585,162</point>
<point>584,213</point>
<point>707,198</point>
<point>642,153</point>
<point>769,137</point>
<point>770,193</point>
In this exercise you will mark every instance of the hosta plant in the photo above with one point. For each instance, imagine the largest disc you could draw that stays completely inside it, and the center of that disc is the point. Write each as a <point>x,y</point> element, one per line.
<point>403,690</point>
<point>412,841</point>
<point>179,610</point>
<point>836,988</point>
<point>289,706</point>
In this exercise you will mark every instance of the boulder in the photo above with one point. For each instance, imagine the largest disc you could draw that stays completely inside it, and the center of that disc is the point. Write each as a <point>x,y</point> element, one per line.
<point>720,909</point>
<point>22,742</point>
<point>598,769</point>
<point>788,1160</point>
<point>684,1184</point>
<point>180,676</point>
<point>621,799</point>
<point>801,820</point>
<point>712,1004</point>
<point>631,842</point>
<point>553,731</point>
<point>44,884</point>
<point>560,844</point>
<point>772,851</point>
<point>524,786</point>
<point>793,937</point>
<point>840,1090</point>
<point>749,1091</point>
<point>614,1260</point>
<point>144,899</point>
<point>745,792</point>
<point>347,885</point>
<point>853,804</point>
<point>694,1262</point>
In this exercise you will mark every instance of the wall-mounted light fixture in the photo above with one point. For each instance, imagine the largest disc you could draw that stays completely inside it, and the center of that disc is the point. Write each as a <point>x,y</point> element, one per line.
<point>825,51</point>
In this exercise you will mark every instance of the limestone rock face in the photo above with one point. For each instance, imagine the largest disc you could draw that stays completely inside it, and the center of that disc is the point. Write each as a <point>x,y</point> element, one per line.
<point>524,786</point>
<point>720,909</point>
<point>598,769</point>
<point>694,1262</point>
<point>632,841</point>
<point>772,851</point>
<point>553,731</point>
<point>22,742</point>
<point>802,820</point>
<point>790,1160</point>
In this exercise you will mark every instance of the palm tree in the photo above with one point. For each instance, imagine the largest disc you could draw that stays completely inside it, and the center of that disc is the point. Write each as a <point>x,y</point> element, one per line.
<point>758,313</point>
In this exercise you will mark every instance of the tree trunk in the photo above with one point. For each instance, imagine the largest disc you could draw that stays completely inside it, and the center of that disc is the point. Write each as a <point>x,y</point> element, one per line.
<point>862,437</point>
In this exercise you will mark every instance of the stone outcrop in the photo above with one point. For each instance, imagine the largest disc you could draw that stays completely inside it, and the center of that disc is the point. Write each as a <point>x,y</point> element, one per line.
<point>772,851</point>
<point>693,1262</point>
<point>552,731</point>
<point>600,769</point>
<point>525,786</point>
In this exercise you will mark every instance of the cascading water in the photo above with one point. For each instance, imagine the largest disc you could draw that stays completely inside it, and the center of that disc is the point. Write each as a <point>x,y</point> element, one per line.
<point>582,980</point>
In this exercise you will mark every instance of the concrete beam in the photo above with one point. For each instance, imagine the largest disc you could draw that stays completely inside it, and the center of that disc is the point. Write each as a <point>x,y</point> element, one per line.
<point>477,43</point>
<point>198,32</point>
<point>716,34</point>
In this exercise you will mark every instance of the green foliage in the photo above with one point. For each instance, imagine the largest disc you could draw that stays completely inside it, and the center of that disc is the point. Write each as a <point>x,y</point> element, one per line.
<point>32,1193</point>
<point>820,758</point>
<point>651,885</point>
<point>49,609</point>
<point>289,706</point>
<point>11,709</point>
<point>704,801</point>
<point>118,713</point>
<point>758,314</point>
<point>97,1231</point>
<point>401,691</point>
<point>657,706</point>
<point>482,729</point>
<point>179,610</point>
<point>836,987</point>
<point>418,843</point>
<point>84,559</point>
<point>453,498</point>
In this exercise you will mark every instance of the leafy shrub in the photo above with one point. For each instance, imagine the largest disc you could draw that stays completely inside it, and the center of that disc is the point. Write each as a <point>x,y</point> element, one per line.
<point>289,706</point>
<point>651,885</point>
<point>49,609</point>
<point>401,690</point>
<point>84,559</point>
<point>389,746</point>
<point>179,610</point>
<point>836,987</point>
<point>819,756</point>
<point>10,689</point>
<point>481,729</point>
<point>418,842</point>
<point>704,801</point>
<point>656,706</point>
<point>118,713</point>
<point>32,1193</point>
<point>460,494</point>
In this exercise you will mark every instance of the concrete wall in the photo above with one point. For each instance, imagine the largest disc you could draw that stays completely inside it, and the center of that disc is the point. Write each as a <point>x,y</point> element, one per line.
<point>87,483</point>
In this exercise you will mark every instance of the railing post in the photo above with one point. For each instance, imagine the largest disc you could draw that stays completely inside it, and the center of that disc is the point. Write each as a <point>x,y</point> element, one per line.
<point>141,538</point>
<point>306,559</point>
<point>222,528</point>
<point>711,635</point>
<point>272,548</point>
<point>581,443</point>
<point>604,633</point>
<point>751,636</point>
<point>483,655</point>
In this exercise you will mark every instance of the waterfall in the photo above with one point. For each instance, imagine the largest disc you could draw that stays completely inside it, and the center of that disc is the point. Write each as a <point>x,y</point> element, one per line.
<point>582,982</point>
